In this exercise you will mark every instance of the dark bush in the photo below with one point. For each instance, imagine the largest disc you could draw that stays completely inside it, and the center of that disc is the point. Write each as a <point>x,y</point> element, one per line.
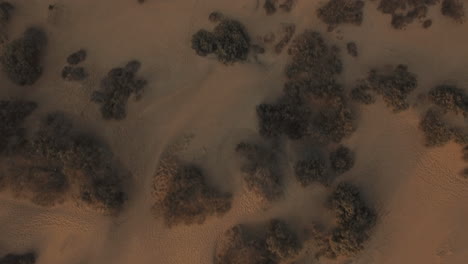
<point>261,171</point>
<point>215,17</point>
<point>450,99</point>
<point>5,12</point>
<point>283,119</point>
<point>355,220</point>
<point>189,200</point>
<point>232,41</point>
<point>436,131</point>
<point>335,122</point>
<point>270,6</point>
<point>337,12</point>
<point>288,33</point>
<point>77,57</point>
<point>12,116</point>
<point>71,73</point>
<point>204,42</point>
<point>363,94</point>
<point>351,47</point>
<point>28,258</point>
<point>281,241</point>
<point>394,86</point>
<point>454,9</point>
<point>427,23</point>
<point>21,59</point>
<point>287,5</point>
<point>116,89</point>
<point>405,12</point>
<point>312,170</point>
<point>341,160</point>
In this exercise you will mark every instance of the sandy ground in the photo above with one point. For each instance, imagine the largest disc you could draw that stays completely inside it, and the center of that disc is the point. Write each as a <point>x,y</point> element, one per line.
<point>419,195</point>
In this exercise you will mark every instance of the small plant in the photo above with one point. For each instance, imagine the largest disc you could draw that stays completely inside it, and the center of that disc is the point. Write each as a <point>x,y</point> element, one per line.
<point>77,57</point>
<point>341,160</point>
<point>21,59</point>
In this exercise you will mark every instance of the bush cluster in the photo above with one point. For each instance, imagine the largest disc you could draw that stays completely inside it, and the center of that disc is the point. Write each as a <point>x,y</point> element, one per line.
<point>336,12</point>
<point>454,9</point>
<point>27,258</point>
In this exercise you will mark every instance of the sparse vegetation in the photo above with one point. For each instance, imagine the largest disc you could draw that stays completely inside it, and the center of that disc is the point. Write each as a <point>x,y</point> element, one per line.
<point>229,41</point>
<point>27,258</point>
<point>5,12</point>
<point>313,169</point>
<point>394,86</point>
<point>21,58</point>
<point>336,12</point>
<point>281,241</point>
<point>363,94</point>
<point>189,200</point>
<point>289,30</point>
<point>342,160</point>
<point>454,9</point>
<point>261,171</point>
<point>405,12</point>
<point>335,122</point>
<point>351,47</point>
<point>437,132</point>
<point>116,89</point>
<point>71,73</point>
<point>77,57</point>
<point>12,115</point>
<point>450,99</point>
<point>270,7</point>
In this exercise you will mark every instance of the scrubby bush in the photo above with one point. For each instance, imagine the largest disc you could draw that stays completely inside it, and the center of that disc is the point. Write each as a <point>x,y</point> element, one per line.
<point>312,170</point>
<point>405,12</point>
<point>189,200</point>
<point>27,258</point>
<point>12,115</point>
<point>450,99</point>
<point>288,33</point>
<point>21,58</point>
<point>453,9</point>
<point>5,12</point>
<point>351,47</point>
<point>204,42</point>
<point>341,160</point>
<point>283,119</point>
<point>335,122</point>
<point>270,6</point>
<point>116,89</point>
<point>281,241</point>
<point>355,220</point>
<point>363,94</point>
<point>261,171</point>
<point>71,73</point>
<point>77,57</point>
<point>337,12</point>
<point>394,86</point>
<point>229,41</point>
<point>436,131</point>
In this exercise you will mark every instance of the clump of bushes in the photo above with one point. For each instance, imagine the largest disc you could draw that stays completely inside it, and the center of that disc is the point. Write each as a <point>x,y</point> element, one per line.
<point>260,170</point>
<point>394,86</point>
<point>27,258</point>
<point>313,169</point>
<point>229,41</point>
<point>363,94</point>
<point>239,246</point>
<point>437,132</point>
<point>336,12</point>
<point>188,198</point>
<point>21,58</point>
<point>77,57</point>
<point>12,115</point>
<point>453,9</point>
<point>73,72</point>
<point>450,99</point>
<point>341,160</point>
<point>404,12</point>
<point>116,89</point>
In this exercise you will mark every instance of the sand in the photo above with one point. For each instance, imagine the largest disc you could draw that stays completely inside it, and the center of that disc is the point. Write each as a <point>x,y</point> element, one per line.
<point>418,193</point>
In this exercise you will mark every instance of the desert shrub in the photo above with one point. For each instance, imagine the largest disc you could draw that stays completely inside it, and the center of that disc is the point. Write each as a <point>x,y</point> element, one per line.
<point>450,99</point>
<point>287,5</point>
<point>77,57</point>
<point>27,258</point>
<point>281,241</point>
<point>337,12</point>
<point>355,220</point>
<point>405,12</point>
<point>12,115</point>
<point>270,6</point>
<point>341,160</point>
<point>237,246</point>
<point>71,73</point>
<point>427,23</point>
<point>453,9</point>
<point>232,41</point>
<point>436,131</point>
<point>116,89</point>
<point>21,59</point>
<point>394,86</point>
<point>5,12</point>
<point>215,17</point>
<point>283,119</point>
<point>363,94</point>
<point>204,42</point>
<point>261,171</point>
<point>313,169</point>
<point>335,122</point>
<point>288,33</point>
<point>190,200</point>
<point>351,47</point>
